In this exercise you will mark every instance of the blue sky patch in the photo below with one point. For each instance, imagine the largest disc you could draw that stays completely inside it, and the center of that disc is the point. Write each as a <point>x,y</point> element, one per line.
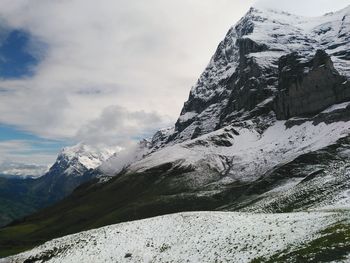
<point>15,58</point>
<point>38,144</point>
<point>16,61</point>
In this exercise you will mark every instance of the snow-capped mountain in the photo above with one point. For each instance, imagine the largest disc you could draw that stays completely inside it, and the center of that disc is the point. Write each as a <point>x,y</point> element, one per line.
<point>71,161</point>
<point>276,88</point>
<point>77,159</point>
<point>266,129</point>
<point>252,67</point>
<point>74,166</point>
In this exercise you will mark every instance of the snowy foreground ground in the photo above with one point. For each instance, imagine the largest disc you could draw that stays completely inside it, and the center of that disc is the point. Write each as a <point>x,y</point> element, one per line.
<point>188,237</point>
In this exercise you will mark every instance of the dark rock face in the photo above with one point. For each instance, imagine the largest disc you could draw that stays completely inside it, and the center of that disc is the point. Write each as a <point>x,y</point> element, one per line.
<point>249,83</point>
<point>247,46</point>
<point>294,86</point>
<point>249,87</point>
<point>306,88</point>
<point>244,89</point>
<point>254,73</point>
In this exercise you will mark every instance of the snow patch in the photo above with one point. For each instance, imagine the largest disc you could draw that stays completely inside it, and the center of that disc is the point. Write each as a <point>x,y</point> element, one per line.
<point>337,107</point>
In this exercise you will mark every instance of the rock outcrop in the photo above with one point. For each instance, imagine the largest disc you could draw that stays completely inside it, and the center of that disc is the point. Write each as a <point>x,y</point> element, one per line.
<point>307,88</point>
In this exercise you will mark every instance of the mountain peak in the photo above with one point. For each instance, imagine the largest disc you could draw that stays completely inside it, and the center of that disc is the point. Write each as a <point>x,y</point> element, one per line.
<point>83,157</point>
<point>242,78</point>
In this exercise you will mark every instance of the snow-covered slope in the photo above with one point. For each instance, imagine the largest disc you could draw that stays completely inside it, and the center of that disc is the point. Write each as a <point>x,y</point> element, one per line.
<point>318,180</point>
<point>242,153</point>
<point>190,237</point>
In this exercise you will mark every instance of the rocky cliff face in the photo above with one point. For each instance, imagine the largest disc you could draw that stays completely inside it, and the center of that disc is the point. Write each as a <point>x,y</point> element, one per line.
<point>307,88</point>
<point>269,62</point>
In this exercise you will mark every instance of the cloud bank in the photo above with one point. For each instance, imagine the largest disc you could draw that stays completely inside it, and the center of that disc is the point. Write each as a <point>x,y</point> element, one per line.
<point>113,59</point>
<point>22,151</point>
<point>117,125</point>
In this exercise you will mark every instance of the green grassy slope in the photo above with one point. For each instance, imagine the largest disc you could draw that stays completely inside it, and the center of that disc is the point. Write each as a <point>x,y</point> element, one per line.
<point>21,197</point>
<point>331,245</point>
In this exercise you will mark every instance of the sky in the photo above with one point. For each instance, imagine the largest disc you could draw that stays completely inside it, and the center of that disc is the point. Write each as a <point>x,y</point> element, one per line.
<point>106,72</point>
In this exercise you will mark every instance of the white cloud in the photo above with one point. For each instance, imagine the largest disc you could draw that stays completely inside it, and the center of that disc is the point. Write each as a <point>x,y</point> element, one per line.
<point>22,152</point>
<point>140,55</point>
<point>117,126</point>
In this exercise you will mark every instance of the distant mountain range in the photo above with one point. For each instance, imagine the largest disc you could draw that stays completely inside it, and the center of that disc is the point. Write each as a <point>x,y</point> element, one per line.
<point>266,130</point>
<point>22,170</point>
<point>21,196</point>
